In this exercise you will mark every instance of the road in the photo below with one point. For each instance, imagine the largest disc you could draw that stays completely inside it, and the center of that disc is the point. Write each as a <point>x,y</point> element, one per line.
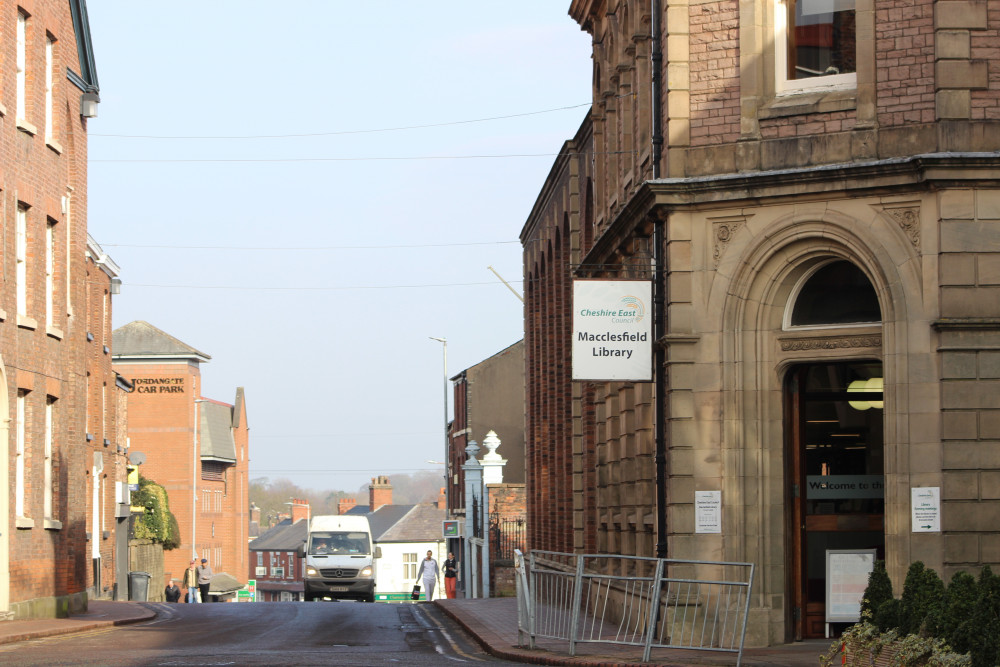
<point>265,633</point>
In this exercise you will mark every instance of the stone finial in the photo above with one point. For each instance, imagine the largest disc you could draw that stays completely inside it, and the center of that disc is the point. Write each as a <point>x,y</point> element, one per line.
<point>492,463</point>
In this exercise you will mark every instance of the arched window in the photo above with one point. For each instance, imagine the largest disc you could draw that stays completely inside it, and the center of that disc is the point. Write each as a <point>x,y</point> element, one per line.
<point>836,293</point>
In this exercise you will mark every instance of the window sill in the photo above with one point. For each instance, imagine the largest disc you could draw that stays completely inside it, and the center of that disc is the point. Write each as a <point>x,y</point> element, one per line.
<point>24,522</point>
<point>52,524</point>
<point>54,333</point>
<point>26,127</point>
<point>25,322</point>
<point>796,104</point>
<point>54,145</point>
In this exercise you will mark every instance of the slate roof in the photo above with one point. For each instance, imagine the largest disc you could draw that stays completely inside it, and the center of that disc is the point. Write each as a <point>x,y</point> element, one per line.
<point>224,583</point>
<point>286,536</point>
<point>385,517</point>
<point>216,432</point>
<point>141,339</point>
<point>357,510</point>
<point>421,524</point>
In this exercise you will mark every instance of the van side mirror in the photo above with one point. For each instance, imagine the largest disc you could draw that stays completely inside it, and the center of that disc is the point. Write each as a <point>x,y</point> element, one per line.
<point>302,550</point>
<point>378,552</point>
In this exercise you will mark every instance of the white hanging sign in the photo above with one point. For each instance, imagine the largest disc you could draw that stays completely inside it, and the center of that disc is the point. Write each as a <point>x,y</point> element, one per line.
<point>612,330</point>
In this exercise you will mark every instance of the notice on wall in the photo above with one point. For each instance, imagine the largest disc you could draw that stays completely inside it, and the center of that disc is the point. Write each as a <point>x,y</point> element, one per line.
<point>612,330</point>
<point>847,573</point>
<point>708,511</point>
<point>925,508</point>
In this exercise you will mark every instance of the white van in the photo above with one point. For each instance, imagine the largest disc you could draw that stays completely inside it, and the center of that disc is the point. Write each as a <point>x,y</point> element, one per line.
<point>339,559</point>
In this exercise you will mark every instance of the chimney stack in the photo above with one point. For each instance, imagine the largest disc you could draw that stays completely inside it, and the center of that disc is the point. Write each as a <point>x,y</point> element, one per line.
<point>344,505</point>
<point>300,509</point>
<point>254,513</point>
<point>379,493</point>
<point>442,503</point>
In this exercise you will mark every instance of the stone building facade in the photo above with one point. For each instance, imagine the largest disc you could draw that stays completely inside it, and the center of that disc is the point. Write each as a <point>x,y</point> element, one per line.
<point>824,181</point>
<point>48,90</point>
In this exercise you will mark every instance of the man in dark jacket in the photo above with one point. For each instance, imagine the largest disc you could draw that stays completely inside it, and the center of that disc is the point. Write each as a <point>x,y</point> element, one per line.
<point>172,592</point>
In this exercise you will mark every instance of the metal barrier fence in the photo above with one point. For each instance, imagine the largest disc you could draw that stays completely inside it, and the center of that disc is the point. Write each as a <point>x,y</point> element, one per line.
<point>648,602</point>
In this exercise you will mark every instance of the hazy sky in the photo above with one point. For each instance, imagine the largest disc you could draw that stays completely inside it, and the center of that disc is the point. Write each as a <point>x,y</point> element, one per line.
<point>256,172</point>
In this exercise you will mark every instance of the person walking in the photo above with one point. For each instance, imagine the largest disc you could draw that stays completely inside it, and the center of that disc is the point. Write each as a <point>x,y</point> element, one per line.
<point>428,574</point>
<point>190,582</point>
<point>450,576</point>
<point>172,593</point>
<point>205,575</point>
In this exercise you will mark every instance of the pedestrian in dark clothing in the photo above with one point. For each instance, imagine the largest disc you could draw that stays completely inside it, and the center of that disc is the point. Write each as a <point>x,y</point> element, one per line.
<point>205,574</point>
<point>450,576</point>
<point>172,592</point>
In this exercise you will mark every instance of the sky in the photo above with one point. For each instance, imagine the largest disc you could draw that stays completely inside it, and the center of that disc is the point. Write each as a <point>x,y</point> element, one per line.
<point>310,195</point>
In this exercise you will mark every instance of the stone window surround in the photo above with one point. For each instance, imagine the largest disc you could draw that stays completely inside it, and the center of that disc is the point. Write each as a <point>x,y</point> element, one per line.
<point>758,72</point>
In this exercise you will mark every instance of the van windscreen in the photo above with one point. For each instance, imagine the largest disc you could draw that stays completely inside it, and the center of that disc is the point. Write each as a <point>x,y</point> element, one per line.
<point>338,543</point>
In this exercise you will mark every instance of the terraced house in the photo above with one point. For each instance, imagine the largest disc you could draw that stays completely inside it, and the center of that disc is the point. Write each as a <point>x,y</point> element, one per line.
<point>811,187</point>
<point>48,91</point>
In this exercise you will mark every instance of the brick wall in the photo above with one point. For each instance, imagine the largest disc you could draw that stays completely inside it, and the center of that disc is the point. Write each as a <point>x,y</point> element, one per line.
<point>47,557</point>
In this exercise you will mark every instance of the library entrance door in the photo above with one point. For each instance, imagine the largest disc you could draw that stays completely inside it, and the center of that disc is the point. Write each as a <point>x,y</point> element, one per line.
<point>834,477</point>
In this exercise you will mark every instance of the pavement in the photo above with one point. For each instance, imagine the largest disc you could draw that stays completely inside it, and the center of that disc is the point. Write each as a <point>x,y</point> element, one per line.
<point>492,622</point>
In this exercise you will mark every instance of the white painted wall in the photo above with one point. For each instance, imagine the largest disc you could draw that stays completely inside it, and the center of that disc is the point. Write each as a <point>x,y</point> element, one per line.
<point>389,568</point>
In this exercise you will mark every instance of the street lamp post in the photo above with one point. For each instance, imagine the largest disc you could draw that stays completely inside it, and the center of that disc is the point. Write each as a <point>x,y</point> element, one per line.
<point>447,448</point>
<point>194,480</point>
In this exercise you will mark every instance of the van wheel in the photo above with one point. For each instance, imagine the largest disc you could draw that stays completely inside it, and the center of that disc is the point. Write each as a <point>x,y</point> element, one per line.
<point>370,598</point>
<point>308,597</point>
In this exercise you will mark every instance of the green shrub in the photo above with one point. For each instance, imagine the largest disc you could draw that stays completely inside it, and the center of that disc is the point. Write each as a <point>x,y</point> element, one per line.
<point>951,623</point>
<point>157,523</point>
<point>923,594</point>
<point>984,624</point>
<point>879,589</point>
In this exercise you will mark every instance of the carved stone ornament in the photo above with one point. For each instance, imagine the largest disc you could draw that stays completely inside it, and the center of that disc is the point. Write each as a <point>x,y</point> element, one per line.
<point>831,343</point>
<point>908,220</point>
<point>724,230</point>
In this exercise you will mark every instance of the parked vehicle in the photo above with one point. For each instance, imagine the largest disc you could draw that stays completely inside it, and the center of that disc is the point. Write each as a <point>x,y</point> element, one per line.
<point>339,559</point>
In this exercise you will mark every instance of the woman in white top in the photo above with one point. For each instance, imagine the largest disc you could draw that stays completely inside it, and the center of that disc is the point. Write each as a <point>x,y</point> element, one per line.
<point>428,573</point>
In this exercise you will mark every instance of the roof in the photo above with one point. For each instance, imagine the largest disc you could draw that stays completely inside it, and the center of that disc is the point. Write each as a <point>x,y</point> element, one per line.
<point>385,517</point>
<point>357,510</point>
<point>224,583</point>
<point>421,524</point>
<point>86,80</point>
<point>216,432</point>
<point>286,536</point>
<point>141,339</point>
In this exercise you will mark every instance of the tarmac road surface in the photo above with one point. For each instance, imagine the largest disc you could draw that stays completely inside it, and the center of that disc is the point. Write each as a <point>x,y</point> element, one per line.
<point>265,633</point>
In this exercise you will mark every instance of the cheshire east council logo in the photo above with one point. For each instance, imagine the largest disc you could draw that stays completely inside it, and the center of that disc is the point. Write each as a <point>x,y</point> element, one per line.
<point>634,306</point>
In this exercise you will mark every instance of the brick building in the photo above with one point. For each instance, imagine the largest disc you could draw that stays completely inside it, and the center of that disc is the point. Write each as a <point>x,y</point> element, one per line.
<point>196,448</point>
<point>107,437</point>
<point>274,560</point>
<point>49,89</point>
<point>816,190</point>
<point>488,396</point>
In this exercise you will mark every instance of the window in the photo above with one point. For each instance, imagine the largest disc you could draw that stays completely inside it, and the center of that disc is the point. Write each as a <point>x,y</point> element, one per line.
<point>291,565</point>
<point>47,474</point>
<point>277,573</point>
<point>21,258</point>
<point>261,571</point>
<point>22,45</point>
<point>49,65</point>
<point>50,270</point>
<point>816,44</point>
<point>409,566</point>
<point>836,294</point>
<point>20,464</point>
<point>260,559</point>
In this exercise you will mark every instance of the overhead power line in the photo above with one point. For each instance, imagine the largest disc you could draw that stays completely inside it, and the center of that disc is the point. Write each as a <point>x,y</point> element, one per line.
<point>294,248</point>
<point>343,159</point>
<point>308,289</point>
<point>340,132</point>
